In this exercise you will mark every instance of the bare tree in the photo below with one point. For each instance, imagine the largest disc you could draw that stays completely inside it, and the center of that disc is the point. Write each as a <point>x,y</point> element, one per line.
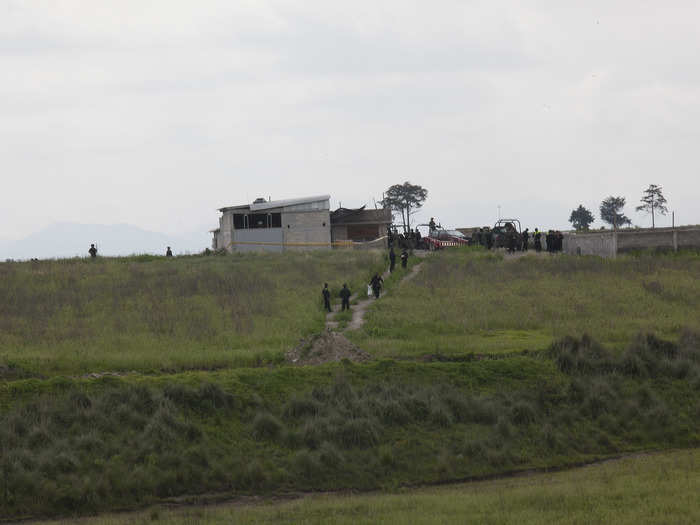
<point>653,201</point>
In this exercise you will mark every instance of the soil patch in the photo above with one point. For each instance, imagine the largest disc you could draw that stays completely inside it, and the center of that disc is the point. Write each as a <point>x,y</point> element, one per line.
<point>327,347</point>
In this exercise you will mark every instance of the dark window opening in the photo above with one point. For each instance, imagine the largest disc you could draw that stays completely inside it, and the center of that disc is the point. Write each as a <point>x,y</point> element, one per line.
<point>239,221</point>
<point>258,220</point>
<point>275,220</point>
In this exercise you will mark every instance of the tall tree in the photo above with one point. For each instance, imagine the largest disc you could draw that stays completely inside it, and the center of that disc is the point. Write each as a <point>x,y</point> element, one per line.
<point>581,218</point>
<point>611,212</point>
<point>406,199</point>
<point>653,201</point>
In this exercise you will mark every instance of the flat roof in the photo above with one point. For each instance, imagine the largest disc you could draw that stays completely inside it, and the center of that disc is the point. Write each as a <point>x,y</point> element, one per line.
<point>277,204</point>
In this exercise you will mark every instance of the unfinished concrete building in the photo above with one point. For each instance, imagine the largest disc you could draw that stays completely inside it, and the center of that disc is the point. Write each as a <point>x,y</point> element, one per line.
<point>359,225</point>
<point>292,224</point>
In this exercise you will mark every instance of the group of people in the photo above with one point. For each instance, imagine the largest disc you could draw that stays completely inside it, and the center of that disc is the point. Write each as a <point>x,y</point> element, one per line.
<point>405,241</point>
<point>93,251</point>
<point>513,240</point>
<point>374,287</point>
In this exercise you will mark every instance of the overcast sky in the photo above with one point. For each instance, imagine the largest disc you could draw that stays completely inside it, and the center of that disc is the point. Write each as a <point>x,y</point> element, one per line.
<point>155,113</point>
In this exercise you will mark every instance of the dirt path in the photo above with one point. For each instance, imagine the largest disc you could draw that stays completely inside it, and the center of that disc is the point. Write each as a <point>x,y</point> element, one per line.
<point>359,310</point>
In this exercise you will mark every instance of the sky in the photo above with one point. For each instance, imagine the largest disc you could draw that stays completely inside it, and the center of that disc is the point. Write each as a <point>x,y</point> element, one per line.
<point>156,113</point>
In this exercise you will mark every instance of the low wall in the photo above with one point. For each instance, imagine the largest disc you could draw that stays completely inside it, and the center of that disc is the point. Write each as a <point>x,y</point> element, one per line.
<point>609,243</point>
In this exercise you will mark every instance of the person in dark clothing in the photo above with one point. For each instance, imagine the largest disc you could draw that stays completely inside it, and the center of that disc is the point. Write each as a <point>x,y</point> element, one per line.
<point>560,241</point>
<point>418,238</point>
<point>392,259</point>
<point>538,240</point>
<point>345,297</point>
<point>489,239</point>
<point>376,284</point>
<point>549,239</point>
<point>168,252</point>
<point>389,237</point>
<point>511,240</point>
<point>404,259</point>
<point>326,297</point>
<point>92,251</point>
<point>526,239</point>
<point>431,225</point>
<point>480,237</point>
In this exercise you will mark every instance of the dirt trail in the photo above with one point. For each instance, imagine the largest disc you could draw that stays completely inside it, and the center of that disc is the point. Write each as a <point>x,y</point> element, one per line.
<point>331,345</point>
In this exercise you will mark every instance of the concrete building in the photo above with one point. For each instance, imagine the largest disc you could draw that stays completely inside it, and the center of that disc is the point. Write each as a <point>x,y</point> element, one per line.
<point>359,225</point>
<point>301,224</point>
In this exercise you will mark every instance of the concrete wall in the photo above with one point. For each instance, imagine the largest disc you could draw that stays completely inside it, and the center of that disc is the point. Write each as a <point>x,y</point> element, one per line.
<point>275,236</point>
<point>590,244</point>
<point>609,244</point>
<point>307,230</point>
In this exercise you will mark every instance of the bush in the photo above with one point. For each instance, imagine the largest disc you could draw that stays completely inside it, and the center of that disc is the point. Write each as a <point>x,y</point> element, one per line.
<point>266,426</point>
<point>359,433</point>
<point>522,413</point>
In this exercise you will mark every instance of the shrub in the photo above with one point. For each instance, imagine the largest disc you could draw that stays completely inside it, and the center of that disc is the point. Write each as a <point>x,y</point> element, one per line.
<point>360,432</point>
<point>522,413</point>
<point>329,455</point>
<point>301,407</point>
<point>266,426</point>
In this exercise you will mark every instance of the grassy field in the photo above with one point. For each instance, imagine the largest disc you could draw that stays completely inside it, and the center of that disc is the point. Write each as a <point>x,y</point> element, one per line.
<point>151,313</point>
<point>658,488</point>
<point>202,418</point>
<point>483,303</point>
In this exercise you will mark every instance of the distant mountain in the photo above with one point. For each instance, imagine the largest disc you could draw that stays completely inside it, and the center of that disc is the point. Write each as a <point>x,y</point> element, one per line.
<point>70,240</point>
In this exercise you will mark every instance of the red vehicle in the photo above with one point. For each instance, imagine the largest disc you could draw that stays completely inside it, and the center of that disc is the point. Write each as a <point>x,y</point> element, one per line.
<point>440,238</point>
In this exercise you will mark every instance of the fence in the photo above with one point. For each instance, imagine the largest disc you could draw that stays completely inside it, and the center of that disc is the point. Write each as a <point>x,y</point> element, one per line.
<point>610,243</point>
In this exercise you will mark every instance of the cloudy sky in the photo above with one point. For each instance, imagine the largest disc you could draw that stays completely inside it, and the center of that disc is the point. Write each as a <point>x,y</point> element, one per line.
<point>155,113</point>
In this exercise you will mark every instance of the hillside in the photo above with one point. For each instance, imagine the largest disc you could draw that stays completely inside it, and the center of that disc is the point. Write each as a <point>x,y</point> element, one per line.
<point>204,403</point>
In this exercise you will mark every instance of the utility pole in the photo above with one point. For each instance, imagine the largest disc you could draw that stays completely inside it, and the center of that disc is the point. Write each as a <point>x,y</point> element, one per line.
<point>499,212</point>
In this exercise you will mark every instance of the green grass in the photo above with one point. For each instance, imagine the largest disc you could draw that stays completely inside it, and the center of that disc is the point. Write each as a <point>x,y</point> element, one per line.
<point>151,314</point>
<point>658,488</point>
<point>82,446</point>
<point>197,419</point>
<point>476,302</point>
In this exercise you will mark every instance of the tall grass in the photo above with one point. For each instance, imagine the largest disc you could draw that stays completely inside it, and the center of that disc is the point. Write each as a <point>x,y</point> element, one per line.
<point>484,303</point>
<point>76,316</point>
<point>659,488</point>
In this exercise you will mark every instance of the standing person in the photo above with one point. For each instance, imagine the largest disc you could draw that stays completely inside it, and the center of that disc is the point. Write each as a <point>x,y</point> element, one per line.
<point>345,297</point>
<point>389,237</point>
<point>431,226</point>
<point>526,239</point>
<point>376,284</point>
<point>404,259</point>
<point>560,241</point>
<point>326,297</point>
<point>168,252</point>
<point>418,238</point>
<point>538,240</point>
<point>92,251</point>
<point>511,240</point>
<point>489,239</point>
<point>392,259</point>
<point>480,237</point>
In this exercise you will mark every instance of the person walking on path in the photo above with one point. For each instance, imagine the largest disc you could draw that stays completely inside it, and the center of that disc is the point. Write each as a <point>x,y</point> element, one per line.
<point>168,252</point>
<point>538,240</point>
<point>345,297</point>
<point>376,284</point>
<point>404,259</point>
<point>92,251</point>
<point>326,297</point>
<point>392,259</point>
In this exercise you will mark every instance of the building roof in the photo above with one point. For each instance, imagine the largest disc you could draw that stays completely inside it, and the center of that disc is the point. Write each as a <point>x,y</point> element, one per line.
<point>361,216</point>
<point>256,206</point>
<point>266,205</point>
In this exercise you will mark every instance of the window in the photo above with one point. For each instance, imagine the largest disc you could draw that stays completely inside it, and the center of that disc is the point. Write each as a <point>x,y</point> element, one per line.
<point>275,220</point>
<point>239,221</point>
<point>258,220</point>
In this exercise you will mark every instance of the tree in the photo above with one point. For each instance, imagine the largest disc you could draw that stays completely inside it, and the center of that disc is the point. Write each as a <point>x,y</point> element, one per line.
<point>611,212</point>
<point>653,201</point>
<point>581,218</point>
<point>406,199</point>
